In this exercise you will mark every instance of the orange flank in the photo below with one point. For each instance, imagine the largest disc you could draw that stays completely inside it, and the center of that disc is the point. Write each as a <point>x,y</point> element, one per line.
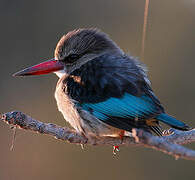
<point>151,122</point>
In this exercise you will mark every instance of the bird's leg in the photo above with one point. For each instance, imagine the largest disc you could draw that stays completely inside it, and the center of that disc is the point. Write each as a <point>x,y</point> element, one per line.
<point>121,135</point>
<point>116,148</point>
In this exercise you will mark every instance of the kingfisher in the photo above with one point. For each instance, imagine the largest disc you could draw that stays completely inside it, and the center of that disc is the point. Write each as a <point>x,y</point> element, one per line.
<point>101,90</point>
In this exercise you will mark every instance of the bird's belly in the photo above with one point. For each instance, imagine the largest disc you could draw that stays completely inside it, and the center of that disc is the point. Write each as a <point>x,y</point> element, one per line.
<point>94,126</point>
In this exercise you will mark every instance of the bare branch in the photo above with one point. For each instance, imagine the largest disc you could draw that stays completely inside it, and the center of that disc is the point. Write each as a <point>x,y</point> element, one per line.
<point>166,144</point>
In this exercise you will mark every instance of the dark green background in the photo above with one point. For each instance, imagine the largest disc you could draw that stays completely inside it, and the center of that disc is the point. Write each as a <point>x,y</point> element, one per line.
<point>29,33</point>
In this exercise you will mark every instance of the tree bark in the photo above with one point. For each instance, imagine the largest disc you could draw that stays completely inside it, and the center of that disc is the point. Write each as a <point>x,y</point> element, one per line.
<point>169,144</point>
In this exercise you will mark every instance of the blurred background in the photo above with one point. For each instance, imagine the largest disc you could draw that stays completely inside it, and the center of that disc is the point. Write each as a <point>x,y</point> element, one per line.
<point>29,33</point>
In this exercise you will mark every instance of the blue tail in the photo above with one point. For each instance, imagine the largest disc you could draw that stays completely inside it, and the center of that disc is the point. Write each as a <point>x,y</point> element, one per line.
<point>171,121</point>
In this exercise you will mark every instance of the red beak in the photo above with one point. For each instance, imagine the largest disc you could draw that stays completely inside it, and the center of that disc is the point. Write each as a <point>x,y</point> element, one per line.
<point>42,68</point>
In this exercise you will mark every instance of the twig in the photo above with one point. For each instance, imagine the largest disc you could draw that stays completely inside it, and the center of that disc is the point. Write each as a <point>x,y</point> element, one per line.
<point>144,28</point>
<point>166,144</point>
<point>13,138</point>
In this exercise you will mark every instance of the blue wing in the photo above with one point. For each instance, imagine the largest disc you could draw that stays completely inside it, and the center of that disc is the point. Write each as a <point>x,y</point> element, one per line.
<point>123,112</point>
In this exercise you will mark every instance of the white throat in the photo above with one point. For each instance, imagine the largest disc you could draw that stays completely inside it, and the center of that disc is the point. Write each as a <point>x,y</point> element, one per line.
<point>60,73</point>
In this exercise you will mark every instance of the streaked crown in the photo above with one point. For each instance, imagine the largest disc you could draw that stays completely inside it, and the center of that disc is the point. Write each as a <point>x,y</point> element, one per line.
<point>82,42</point>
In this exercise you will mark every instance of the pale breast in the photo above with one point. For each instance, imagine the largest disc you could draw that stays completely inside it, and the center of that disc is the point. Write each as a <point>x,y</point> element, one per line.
<point>66,107</point>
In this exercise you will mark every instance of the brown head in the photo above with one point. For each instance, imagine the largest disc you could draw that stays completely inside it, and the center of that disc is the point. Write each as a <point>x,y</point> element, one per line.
<point>73,50</point>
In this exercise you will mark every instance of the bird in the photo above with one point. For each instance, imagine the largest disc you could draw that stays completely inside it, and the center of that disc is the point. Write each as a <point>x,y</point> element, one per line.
<point>102,91</point>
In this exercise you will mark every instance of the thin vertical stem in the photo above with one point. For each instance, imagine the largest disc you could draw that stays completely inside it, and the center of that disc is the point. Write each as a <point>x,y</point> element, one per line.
<point>144,28</point>
<point>13,138</point>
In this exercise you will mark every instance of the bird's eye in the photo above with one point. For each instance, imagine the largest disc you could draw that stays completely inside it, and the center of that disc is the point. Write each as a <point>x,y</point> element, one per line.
<point>71,58</point>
